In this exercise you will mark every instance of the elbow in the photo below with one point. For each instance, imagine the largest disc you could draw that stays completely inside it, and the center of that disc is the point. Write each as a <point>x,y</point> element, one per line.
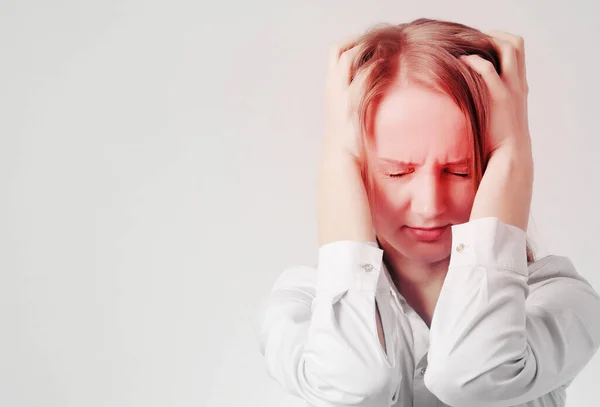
<point>321,371</point>
<point>448,389</point>
<point>453,391</point>
<point>459,383</point>
<point>449,377</point>
<point>364,386</point>
<point>468,380</point>
<point>446,386</point>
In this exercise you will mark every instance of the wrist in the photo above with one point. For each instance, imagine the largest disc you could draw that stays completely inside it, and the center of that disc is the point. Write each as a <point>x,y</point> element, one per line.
<point>514,158</point>
<point>344,165</point>
<point>515,147</point>
<point>506,188</point>
<point>335,157</point>
<point>343,207</point>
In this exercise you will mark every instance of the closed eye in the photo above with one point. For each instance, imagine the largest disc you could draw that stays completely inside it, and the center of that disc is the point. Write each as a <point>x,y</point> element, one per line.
<point>400,174</point>
<point>458,174</point>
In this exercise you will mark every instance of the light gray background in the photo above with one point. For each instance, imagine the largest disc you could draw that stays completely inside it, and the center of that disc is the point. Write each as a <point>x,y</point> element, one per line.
<point>158,169</point>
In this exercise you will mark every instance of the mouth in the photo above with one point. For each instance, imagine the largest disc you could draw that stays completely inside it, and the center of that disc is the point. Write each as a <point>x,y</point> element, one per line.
<point>427,234</point>
<point>431,228</point>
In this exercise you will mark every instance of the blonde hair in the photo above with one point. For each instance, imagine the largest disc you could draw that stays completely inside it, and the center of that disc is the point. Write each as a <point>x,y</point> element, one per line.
<point>426,52</point>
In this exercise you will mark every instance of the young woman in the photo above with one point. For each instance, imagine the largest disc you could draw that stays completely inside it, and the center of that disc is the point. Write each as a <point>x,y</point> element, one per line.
<point>425,292</point>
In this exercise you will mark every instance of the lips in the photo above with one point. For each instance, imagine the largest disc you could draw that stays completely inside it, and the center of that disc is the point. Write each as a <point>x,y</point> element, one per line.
<point>427,234</point>
<point>433,228</point>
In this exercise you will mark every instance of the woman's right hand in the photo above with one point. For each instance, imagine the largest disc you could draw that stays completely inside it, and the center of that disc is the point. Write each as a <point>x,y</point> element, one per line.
<point>343,206</point>
<point>341,130</point>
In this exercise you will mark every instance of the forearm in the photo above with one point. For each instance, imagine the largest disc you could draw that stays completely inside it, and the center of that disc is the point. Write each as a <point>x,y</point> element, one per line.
<point>343,207</point>
<point>506,188</point>
<point>481,306</point>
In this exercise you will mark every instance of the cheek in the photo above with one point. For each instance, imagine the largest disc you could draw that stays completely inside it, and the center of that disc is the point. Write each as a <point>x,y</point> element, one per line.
<point>461,197</point>
<point>389,206</point>
<point>389,195</point>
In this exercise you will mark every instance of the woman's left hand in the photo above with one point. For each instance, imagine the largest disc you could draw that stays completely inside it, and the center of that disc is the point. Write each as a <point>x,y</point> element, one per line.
<point>506,187</point>
<point>509,125</point>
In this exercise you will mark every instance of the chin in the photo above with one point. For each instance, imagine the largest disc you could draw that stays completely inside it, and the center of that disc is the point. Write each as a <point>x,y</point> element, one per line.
<point>431,256</point>
<point>426,252</point>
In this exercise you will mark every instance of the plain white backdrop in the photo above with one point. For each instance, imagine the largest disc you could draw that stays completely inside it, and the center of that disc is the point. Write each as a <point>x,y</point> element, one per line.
<point>158,172</point>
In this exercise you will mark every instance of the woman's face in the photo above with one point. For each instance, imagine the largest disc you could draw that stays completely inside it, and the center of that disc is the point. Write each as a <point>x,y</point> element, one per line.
<point>421,172</point>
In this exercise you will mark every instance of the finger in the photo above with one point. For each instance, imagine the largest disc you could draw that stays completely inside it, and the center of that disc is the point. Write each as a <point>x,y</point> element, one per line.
<point>356,89</point>
<point>508,57</point>
<point>518,43</point>
<point>346,63</point>
<point>340,71</point>
<point>336,50</point>
<point>354,95</point>
<point>487,71</point>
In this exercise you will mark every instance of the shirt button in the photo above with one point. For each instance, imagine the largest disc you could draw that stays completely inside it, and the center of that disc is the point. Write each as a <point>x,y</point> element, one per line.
<point>423,371</point>
<point>460,248</point>
<point>367,267</point>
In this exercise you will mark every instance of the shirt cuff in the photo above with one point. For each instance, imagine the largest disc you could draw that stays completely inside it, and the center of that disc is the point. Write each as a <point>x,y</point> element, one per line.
<point>488,242</point>
<point>348,265</point>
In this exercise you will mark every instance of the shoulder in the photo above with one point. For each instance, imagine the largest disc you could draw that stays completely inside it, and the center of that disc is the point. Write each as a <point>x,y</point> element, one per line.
<point>557,275</point>
<point>552,266</point>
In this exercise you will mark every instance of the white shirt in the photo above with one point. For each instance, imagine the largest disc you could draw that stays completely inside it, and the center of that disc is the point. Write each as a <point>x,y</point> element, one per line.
<point>503,333</point>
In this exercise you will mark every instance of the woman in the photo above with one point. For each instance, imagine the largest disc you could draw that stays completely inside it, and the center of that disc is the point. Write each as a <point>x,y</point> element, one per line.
<point>425,292</point>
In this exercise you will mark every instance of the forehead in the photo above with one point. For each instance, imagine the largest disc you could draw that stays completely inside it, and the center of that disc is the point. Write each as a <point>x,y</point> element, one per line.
<point>416,124</point>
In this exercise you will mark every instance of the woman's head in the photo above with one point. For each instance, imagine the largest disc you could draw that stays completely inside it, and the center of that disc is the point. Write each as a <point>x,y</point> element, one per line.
<point>423,116</point>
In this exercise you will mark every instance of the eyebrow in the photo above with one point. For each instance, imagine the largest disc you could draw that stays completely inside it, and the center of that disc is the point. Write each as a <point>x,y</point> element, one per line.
<point>462,161</point>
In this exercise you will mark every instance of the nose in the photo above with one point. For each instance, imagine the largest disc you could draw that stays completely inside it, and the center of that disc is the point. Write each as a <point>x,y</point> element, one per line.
<point>428,197</point>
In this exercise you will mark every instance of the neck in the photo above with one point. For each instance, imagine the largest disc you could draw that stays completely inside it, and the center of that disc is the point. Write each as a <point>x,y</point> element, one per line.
<point>415,273</point>
<point>419,282</point>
